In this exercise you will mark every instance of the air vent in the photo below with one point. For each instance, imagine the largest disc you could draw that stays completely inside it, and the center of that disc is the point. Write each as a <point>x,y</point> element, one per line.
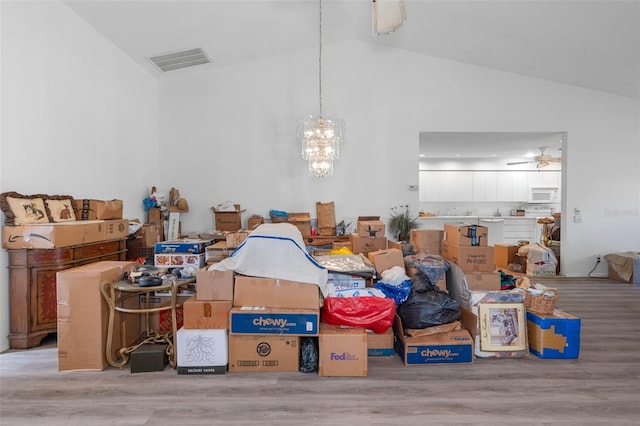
<point>182,59</point>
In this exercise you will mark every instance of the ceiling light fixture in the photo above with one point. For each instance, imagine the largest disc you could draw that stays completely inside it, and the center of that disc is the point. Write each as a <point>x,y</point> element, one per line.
<point>388,16</point>
<point>320,136</point>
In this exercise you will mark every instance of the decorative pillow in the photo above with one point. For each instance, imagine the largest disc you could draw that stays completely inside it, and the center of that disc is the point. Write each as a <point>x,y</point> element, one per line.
<point>23,209</point>
<point>60,208</point>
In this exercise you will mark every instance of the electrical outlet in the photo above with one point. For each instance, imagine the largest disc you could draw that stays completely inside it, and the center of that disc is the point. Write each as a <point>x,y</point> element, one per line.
<point>598,258</point>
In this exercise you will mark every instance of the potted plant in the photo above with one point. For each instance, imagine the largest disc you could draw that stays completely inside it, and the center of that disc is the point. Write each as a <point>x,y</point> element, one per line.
<point>402,222</point>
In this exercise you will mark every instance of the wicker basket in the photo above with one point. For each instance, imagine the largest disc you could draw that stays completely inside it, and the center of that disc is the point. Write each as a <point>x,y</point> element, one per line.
<point>541,303</point>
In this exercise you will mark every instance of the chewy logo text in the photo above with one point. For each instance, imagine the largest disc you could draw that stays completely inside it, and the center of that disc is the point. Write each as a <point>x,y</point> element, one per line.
<point>278,322</point>
<point>446,353</point>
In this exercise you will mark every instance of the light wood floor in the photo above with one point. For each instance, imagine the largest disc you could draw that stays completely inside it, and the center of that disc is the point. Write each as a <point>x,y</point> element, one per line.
<point>602,387</point>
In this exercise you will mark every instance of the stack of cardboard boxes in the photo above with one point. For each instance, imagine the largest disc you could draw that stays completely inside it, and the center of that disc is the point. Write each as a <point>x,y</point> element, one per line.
<point>466,246</point>
<point>369,235</point>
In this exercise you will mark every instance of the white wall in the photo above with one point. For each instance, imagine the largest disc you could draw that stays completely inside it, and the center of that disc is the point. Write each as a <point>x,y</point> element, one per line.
<point>85,119</point>
<point>78,117</point>
<point>236,127</point>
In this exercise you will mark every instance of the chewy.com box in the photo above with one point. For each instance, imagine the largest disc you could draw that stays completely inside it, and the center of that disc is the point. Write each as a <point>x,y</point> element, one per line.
<point>286,321</point>
<point>453,347</point>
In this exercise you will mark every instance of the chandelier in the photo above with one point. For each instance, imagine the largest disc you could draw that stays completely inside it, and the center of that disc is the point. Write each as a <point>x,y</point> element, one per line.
<point>320,136</point>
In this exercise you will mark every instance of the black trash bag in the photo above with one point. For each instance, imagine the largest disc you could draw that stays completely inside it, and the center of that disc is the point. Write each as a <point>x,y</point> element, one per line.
<point>309,354</point>
<point>427,306</point>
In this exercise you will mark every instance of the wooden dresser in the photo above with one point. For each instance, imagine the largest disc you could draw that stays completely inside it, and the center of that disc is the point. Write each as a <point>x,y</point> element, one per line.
<point>32,286</point>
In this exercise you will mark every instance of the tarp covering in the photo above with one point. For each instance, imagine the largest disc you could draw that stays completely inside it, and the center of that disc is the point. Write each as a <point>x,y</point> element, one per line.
<point>275,250</point>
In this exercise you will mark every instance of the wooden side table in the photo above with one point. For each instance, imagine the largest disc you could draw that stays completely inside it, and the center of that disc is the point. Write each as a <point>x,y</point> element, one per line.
<point>115,292</point>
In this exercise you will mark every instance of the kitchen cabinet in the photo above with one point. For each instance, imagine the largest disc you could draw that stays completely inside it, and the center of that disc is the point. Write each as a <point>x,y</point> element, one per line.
<point>485,186</point>
<point>32,286</point>
<point>519,229</point>
<point>505,186</point>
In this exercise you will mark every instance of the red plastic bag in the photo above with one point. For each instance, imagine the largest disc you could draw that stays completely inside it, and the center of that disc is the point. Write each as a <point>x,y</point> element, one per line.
<point>371,312</point>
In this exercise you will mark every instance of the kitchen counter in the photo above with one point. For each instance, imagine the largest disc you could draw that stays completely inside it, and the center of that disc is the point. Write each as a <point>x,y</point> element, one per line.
<point>485,217</point>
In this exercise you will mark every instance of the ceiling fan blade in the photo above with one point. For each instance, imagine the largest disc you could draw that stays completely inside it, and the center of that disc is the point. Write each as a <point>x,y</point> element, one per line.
<point>519,162</point>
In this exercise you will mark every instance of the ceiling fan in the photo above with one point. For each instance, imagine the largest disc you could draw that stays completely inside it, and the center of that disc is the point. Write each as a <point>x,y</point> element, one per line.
<point>542,160</point>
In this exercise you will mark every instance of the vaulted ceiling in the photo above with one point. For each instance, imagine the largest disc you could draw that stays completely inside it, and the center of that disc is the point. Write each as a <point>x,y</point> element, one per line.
<point>590,44</point>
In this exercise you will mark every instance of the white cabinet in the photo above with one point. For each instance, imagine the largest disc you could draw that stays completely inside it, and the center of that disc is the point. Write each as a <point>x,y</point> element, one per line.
<point>485,186</point>
<point>445,186</point>
<point>519,229</point>
<point>509,186</point>
<point>429,186</point>
<point>544,178</point>
<point>512,186</point>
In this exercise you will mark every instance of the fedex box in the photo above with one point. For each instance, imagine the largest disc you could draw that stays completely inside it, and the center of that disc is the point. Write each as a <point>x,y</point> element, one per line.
<point>342,351</point>
<point>554,336</point>
<point>287,321</point>
<point>249,353</point>
<point>201,351</point>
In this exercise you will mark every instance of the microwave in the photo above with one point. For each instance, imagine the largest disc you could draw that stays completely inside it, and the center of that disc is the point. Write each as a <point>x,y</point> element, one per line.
<point>539,194</point>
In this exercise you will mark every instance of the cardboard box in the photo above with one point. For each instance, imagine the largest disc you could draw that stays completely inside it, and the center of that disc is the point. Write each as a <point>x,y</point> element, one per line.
<point>504,254</point>
<point>249,353</point>
<point>234,239</point>
<point>154,215</point>
<point>217,252</point>
<point>427,241</point>
<point>254,221</point>
<point>206,313</point>
<point>452,347</point>
<point>554,336</point>
<point>466,234</point>
<point>202,351</point>
<point>214,285</point>
<point>490,281</point>
<point>469,258</point>
<point>152,233</point>
<point>380,344</point>
<point>87,209</point>
<point>285,321</point>
<point>83,316</point>
<point>342,351</point>
<point>186,245</point>
<point>63,234</point>
<point>386,259</point>
<point>371,228</point>
<point>302,221</point>
<point>179,260</point>
<point>275,293</point>
<point>365,245</point>
<point>339,282</point>
<point>228,221</point>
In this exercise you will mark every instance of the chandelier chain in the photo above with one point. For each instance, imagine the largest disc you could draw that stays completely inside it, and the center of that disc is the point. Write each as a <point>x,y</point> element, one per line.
<point>320,58</point>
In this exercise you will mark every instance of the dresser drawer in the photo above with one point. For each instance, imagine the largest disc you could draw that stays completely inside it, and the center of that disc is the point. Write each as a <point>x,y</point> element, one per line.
<point>96,250</point>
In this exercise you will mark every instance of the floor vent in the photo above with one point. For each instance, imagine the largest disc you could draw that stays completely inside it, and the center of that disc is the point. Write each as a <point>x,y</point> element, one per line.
<point>178,60</point>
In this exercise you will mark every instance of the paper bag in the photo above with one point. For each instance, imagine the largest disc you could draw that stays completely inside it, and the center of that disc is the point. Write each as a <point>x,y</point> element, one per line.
<point>326,218</point>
